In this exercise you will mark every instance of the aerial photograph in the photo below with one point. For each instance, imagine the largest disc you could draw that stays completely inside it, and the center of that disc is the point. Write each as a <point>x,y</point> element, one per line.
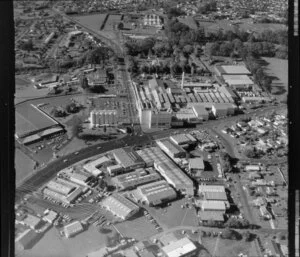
<point>149,128</point>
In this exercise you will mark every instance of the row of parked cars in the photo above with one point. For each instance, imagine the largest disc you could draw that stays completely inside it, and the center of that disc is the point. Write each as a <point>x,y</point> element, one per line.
<point>153,221</point>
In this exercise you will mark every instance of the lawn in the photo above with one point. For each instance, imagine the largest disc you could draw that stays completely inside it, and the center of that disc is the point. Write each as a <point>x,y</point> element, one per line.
<point>23,165</point>
<point>225,247</point>
<point>92,21</point>
<point>277,69</point>
<point>55,246</point>
<point>112,19</point>
<point>138,228</point>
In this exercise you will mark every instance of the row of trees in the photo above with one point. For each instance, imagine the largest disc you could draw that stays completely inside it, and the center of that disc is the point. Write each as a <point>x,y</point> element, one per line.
<point>62,112</point>
<point>236,48</point>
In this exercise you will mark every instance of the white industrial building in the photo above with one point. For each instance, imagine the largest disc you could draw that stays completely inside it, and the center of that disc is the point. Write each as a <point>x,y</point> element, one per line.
<point>103,117</point>
<point>168,169</point>
<point>200,112</point>
<point>114,170</point>
<point>231,70</point>
<point>182,139</point>
<point>73,229</point>
<point>151,118</point>
<point>171,149</point>
<point>120,206</point>
<point>93,167</point>
<point>25,239</point>
<point>239,82</point>
<point>223,109</point>
<point>181,248</point>
<point>156,193</point>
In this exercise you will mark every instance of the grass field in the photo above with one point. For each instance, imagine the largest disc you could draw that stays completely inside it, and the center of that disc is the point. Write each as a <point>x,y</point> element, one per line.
<point>243,25</point>
<point>277,69</point>
<point>55,246</point>
<point>92,21</point>
<point>112,19</point>
<point>23,165</point>
<point>224,247</point>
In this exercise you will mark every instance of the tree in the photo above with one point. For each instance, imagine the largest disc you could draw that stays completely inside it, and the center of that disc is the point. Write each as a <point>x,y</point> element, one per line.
<point>212,49</point>
<point>84,82</point>
<point>58,112</point>
<point>267,84</point>
<point>174,12</point>
<point>120,26</point>
<point>27,46</point>
<point>227,234</point>
<point>249,236</point>
<point>72,108</point>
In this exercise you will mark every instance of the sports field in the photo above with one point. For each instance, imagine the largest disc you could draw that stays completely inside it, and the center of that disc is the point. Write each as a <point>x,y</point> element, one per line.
<point>92,21</point>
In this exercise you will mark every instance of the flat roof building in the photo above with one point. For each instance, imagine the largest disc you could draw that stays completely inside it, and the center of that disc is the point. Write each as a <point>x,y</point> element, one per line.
<point>136,178</point>
<point>26,239</point>
<point>200,112</point>
<point>181,248</point>
<point>127,159</point>
<point>215,196</point>
<point>92,167</point>
<point>211,215</point>
<point>60,188</point>
<point>231,69</point>
<point>196,164</point>
<point>120,206</point>
<point>78,178</point>
<point>182,139</point>
<point>115,169</point>
<point>156,193</point>
<point>213,206</point>
<point>168,169</point>
<point>171,149</point>
<point>73,229</point>
<point>50,216</point>
<point>31,221</point>
<point>211,188</point>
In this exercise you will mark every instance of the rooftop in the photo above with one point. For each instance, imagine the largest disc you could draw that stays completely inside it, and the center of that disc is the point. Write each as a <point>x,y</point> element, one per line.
<point>233,69</point>
<point>179,248</point>
<point>196,163</point>
<point>126,158</point>
<point>211,215</point>
<point>120,205</point>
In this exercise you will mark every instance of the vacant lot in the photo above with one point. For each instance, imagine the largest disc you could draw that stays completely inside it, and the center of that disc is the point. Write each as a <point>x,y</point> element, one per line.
<point>224,247</point>
<point>277,69</point>
<point>55,246</point>
<point>92,21</point>
<point>23,165</point>
<point>111,21</point>
<point>139,228</point>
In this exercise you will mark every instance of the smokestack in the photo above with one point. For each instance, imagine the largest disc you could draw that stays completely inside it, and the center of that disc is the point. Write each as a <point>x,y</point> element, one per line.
<point>182,80</point>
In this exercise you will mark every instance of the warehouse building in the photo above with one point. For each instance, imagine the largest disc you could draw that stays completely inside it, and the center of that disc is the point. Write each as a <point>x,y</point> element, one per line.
<point>239,82</point>
<point>182,139</point>
<point>128,159</point>
<point>200,112</point>
<point>31,221</point>
<point>156,193</point>
<point>231,70</point>
<point>136,178</point>
<point>171,149</point>
<point>26,239</point>
<point>181,248</point>
<point>33,125</point>
<point>223,109</point>
<point>80,179</point>
<point>196,166</point>
<point>120,206</point>
<point>211,188</point>
<point>206,216</point>
<point>93,167</point>
<point>115,170</point>
<point>73,229</point>
<point>60,188</point>
<point>168,169</point>
<point>213,206</point>
<point>50,216</point>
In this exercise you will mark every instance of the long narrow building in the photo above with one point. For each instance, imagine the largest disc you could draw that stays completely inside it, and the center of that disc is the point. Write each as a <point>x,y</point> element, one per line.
<point>168,169</point>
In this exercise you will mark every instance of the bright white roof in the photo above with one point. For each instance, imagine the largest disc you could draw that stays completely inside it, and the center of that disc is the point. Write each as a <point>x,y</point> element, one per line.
<point>235,69</point>
<point>179,248</point>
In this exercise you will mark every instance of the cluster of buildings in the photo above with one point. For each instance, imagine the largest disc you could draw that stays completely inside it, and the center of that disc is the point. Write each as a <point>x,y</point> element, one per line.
<point>103,117</point>
<point>271,132</point>
<point>33,125</point>
<point>213,203</point>
<point>67,189</point>
<point>187,103</point>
